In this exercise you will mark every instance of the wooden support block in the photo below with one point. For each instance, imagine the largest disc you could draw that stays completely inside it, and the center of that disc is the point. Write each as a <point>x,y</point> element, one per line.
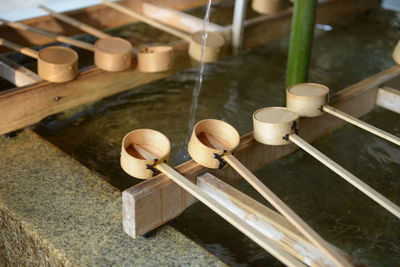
<point>159,200</point>
<point>17,74</point>
<point>265,220</point>
<point>388,98</point>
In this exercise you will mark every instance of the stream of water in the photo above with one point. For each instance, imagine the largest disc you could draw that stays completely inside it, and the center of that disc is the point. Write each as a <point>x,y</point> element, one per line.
<point>199,81</point>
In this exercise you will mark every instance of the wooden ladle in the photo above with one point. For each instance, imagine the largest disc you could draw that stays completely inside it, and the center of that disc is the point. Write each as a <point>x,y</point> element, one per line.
<point>144,154</point>
<point>54,63</point>
<point>278,126</point>
<point>211,145</point>
<point>111,53</point>
<point>107,56</point>
<point>214,41</point>
<point>311,100</point>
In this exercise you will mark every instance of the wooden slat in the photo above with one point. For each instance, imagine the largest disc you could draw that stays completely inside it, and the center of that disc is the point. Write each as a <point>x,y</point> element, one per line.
<point>17,74</point>
<point>159,200</point>
<point>389,98</point>
<point>265,220</point>
<point>177,19</point>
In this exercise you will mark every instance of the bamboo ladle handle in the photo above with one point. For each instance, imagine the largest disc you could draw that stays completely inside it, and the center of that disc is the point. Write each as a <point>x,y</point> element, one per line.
<point>197,192</point>
<point>24,50</point>
<point>275,201</point>
<point>356,182</point>
<point>80,25</point>
<point>60,38</point>
<point>368,127</point>
<point>147,20</point>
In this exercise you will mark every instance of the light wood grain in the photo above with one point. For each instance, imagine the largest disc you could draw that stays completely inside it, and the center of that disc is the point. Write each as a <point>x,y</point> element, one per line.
<point>17,74</point>
<point>177,19</point>
<point>389,98</point>
<point>363,125</point>
<point>147,20</point>
<point>356,182</point>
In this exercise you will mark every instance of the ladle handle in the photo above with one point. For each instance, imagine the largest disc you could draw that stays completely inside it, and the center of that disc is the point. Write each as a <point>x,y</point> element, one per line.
<point>368,127</point>
<point>80,25</point>
<point>60,38</point>
<point>147,20</point>
<point>197,192</point>
<point>24,50</point>
<point>360,185</point>
<point>233,219</point>
<point>287,212</point>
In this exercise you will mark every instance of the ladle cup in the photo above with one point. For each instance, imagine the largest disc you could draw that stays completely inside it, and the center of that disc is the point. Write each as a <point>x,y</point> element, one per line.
<point>269,6</point>
<point>278,126</point>
<point>311,100</point>
<point>211,145</point>
<point>54,63</point>
<point>214,41</point>
<point>155,58</point>
<point>144,154</point>
<point>110,54</point>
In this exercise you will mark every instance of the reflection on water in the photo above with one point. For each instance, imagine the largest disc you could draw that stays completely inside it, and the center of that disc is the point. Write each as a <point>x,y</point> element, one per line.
<point>235,87</point>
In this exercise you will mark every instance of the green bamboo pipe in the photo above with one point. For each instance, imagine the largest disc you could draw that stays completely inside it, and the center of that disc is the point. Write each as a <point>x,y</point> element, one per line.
<point>301,39</point>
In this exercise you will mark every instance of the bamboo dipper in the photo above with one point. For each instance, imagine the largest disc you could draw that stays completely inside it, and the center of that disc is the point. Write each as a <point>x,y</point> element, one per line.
<point>278,126</point>
<point>211,145</point>
<point>111,53</point>
<point>214,40</point>
<point>150,59</point>
<point>310,100</point>
<point>143,155</point>
<point>107,55</point>
<point>269,6</point>
<point>54,63</point>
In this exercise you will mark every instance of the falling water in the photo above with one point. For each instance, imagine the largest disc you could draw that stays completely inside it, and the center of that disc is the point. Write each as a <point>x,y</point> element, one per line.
<point>199,81</point>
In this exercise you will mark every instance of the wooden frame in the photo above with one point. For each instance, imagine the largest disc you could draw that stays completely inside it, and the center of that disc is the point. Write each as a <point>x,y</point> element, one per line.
<point>93,84</point>
<point>157,201</point>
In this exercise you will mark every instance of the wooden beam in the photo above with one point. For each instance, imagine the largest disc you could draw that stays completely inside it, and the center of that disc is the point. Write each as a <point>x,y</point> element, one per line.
<point>157,201</point>
<point>17,74</point>
<point>388,98</point>
<point>266,221</point>
<point>25,106</point>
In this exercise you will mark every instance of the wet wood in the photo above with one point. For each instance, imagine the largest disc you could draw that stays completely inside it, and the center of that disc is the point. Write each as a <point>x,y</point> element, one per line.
<point>389,98</point>
<point>17,74</point>
<point>157,201</point>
